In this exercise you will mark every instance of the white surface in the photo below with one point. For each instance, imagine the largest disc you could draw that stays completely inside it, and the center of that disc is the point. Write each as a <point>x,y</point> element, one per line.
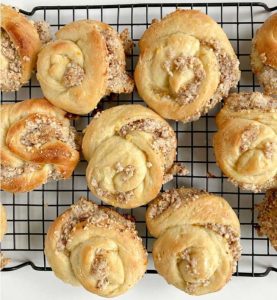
<point>31,285</point>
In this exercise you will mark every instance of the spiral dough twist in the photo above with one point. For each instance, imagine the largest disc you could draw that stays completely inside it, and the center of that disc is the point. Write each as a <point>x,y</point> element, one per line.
<point>130,150</point>
<point>186,65</point>
<point>96,247</point>
<point>37,144</point>
<point>198,239</point>
<point>245,145</point>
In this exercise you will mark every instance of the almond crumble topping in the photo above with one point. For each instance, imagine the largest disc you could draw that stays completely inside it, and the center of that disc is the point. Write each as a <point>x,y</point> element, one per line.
<point>268,79</point>
<point>43,129</point>
<point>186,94</point>
<point>176,169</point>
<point>43,29</point>
<point>172,199</point>
<point>126,41</point>
<point>118,79</point>
<point>255,100</point>
<point>128,171</point>
<point>11,67</point>
<point>163,139</point>
<point>9,172</point>
<point>267,217</point>
<point>100,269</point>
<point>249,135</point>
<point>229,71</point>
<point>118,196</point>
<point>232,238</point>
<point>90,213</point>
<point>269,149</point>
<point>191,262</point>
<point>73,75</point>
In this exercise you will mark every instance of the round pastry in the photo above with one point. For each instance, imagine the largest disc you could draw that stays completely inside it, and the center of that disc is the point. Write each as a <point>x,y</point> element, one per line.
<point>97,248</point>
<point>130,150</point>
<point>264,55</point>
<point>245,145</point>
<point>20,44</point>
<point>3,221</point>
<point>197,246</point>
<point>85,63</point>
<point>267,217</point>
<point>186,65</point>
<point>37,144</point>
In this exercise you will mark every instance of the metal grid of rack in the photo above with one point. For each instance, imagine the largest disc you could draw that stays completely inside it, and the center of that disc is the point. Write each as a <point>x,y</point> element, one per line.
<point>30,214</point>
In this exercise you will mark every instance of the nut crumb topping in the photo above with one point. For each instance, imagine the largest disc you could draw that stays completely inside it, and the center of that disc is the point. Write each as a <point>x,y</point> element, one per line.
<point>73,75</point>
<point>11,67</point>
<point>43,29</point>
<point>10,172</point>
<point>229,71</point>
<point>126,41</point>
<point>118,79</point>
<point>100,269</point>
<point>267,217</point>
<point>163,137</point>
<point>90,213</point>
<point>172,199</point>
<point>128,171</point>
<point>187,93</point>
<point>248,136</point>
<point>243,101</point>
<point>43,129</point>
<point>232,238</point>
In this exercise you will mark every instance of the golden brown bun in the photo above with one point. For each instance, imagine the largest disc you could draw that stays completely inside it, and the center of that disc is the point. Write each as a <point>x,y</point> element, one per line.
<point>129,149</point>
<point>186,65</point>
<point>197,246</point>
<point>264,55</point>
<point>96,247</point>
<point>84,64</point>
<point>37,144</point>
<point>267,217</point>
<point>245,145</point>
<point>3,221</point>
<point>26,44</point>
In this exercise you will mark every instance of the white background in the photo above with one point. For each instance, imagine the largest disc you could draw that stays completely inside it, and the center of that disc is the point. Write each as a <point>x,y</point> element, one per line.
<point>33,285</point>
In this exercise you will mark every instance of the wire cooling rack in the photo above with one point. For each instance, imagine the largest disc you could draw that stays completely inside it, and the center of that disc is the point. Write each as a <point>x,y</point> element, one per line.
<point>29,214</point>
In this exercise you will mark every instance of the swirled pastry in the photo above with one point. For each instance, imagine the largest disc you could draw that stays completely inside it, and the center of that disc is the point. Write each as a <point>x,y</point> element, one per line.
<point>3,229</point>
<point>186,65</point>
<point>97,248</point>
<point>197,246</point>
<point>85,63</point>
<point>130,150</point>
<point>267,217</point>
<point>37,144</point>
<point>3,221</point>
<point>264,55</point>
<point>245,145</point>
<point>20,44</point>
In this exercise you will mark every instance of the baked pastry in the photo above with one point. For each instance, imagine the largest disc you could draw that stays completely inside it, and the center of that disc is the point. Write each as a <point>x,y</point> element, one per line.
<point>3,221</point>
<point>245,145</point>
<point>197,246</point>
<point>267,217</point>
<point>186,65</point>
<point>264,55</point>
<point>3,229</point>
<point>84,64</point>
<point>20,44</point>
<point>130,150</point>
<point>37,144</point>
<point>97,248</point>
